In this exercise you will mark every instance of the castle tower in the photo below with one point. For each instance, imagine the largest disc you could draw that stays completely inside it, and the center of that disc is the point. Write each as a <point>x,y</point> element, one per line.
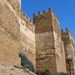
<point>67,37</point>
<point>49,45</point>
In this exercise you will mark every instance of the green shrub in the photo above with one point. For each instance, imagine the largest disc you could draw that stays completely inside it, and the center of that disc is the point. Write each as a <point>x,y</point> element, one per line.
<point>46,72</point>
<point>61,73</point>
<point>38,73</point>
<point>26,63</point>
<point>18,67</point>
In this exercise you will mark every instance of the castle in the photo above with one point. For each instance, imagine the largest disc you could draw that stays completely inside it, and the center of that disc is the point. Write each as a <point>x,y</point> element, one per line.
<point>41,41</point>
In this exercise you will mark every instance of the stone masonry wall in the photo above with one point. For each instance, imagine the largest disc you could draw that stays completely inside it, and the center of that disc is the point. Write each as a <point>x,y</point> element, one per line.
<point>9,34</point>
<point>59,51</point>
<point>17,33</point>
<point>42,42</point>
<point>16,4</point>
<point>49,51</point>
<point>45,49</point>
<point>27,38</point>
<point>69,48</point>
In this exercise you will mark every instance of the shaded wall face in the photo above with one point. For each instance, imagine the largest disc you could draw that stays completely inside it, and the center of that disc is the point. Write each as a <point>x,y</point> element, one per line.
<point>69,48</point>
<point>9,34</point>
<point>74,59</point>
<point>59,50</point>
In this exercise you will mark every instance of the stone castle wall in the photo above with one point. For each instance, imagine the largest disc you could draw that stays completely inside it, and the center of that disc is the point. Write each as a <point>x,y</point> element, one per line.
<point>17,33</point>
<point>49,46</point>
<point>16,4</point>
<point>67,37</point>
<point>59,48</point>
<point>42,42</point>
<point>9,34</point>
<point>45,53</point>
<point>27,38</point>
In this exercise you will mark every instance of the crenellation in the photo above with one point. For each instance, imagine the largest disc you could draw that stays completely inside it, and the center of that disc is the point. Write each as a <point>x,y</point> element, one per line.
<point>44,11</point>
<point>21,12</point>
<point>25,15</point>
<point>62,30</point>
<point>55,16</point>
<point>44,45</point>
<point>28,18</point>
<point>34,14</point>
<point>50,10</point>
<point>39,13</point>
<point>67,29</point>
<point>25,18</point>
<point>67,32</point>
<point>31,21</point>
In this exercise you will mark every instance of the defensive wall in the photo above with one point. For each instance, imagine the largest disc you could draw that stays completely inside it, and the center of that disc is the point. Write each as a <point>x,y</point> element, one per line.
<point>41,42</point>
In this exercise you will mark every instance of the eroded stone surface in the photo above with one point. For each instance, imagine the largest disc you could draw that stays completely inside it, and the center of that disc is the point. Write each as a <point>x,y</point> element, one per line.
<point>42,42</point>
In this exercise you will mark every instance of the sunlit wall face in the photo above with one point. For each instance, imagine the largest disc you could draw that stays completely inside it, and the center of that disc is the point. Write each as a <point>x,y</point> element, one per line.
<point>15,3</point>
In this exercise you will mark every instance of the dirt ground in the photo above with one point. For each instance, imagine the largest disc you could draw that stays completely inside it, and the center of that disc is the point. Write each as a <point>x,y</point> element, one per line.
<point>11,70</point>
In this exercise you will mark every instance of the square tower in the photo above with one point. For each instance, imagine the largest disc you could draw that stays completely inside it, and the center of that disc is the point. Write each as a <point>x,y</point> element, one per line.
<point>49,45</point>
<point>68,40</point>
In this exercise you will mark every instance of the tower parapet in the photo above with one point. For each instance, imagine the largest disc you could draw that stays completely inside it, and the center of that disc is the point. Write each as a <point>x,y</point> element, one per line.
<point>67,29</point>
<point>49,12</point>
<point>47,16</point>
<point>25,17</point>
<point>44,11</point>
<point>67,32</point>
<point>28,18</point>
<point>62,30</point>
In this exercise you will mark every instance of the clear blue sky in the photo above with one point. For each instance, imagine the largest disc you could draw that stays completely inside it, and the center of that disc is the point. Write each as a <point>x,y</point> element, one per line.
<point>64,10</point>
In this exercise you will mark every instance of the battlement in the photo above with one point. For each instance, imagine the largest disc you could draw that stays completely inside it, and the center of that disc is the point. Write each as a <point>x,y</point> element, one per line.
<point>67,32</point>
<point>25,16</point>
<point>41,40</point>
<point>62,30</point>
<point>45,12</point>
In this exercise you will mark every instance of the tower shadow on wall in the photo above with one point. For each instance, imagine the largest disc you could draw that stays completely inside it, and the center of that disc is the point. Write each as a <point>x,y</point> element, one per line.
<point>26,63</point>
